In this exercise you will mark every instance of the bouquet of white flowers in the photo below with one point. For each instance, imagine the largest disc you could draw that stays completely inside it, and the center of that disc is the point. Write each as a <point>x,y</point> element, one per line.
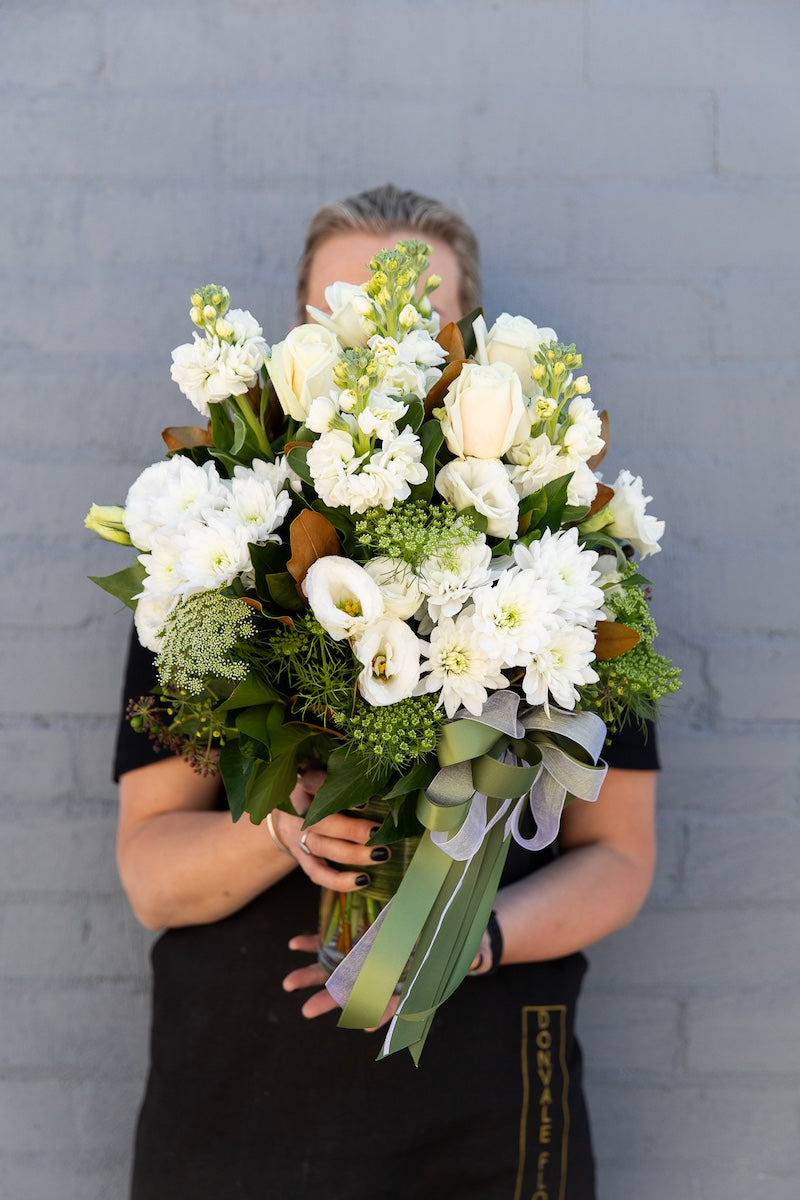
<point>388,551</point>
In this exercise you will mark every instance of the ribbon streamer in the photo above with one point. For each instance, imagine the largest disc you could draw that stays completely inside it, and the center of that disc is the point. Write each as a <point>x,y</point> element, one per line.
<point>492,768</point>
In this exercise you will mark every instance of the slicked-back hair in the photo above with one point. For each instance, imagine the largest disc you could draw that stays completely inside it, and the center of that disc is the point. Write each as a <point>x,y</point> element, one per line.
<point>386,210</point>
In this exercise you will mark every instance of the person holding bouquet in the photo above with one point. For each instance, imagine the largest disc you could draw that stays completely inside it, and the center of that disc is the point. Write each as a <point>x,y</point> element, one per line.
<point>252,1089</point>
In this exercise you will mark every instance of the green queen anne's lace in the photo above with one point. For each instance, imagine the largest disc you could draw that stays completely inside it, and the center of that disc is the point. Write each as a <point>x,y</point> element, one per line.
<point>199,641</point>
<point>416,531</point>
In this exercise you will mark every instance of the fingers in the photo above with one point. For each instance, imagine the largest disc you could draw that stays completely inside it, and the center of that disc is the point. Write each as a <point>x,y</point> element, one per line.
<point>304,977</point>
<point>308,942</point>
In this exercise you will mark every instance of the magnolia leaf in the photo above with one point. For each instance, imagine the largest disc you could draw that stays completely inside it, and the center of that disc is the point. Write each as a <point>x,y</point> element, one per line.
<point>596,459</point>
<point>291,445</point>
<point>256,604</point>
<point>296,458</point>
<point>466,326</point>
<point>187,437</point>
<point>604,494</point>
<point>452,342</point>
<point>613,639</point>
<point>437,393</point>
<point>311,536</point>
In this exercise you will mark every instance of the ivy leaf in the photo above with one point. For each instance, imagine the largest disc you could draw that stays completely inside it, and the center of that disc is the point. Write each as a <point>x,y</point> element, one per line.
<point>347,784</point>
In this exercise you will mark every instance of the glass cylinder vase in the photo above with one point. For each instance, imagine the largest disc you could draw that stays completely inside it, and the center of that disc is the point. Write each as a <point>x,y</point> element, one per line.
<point>345,916</point>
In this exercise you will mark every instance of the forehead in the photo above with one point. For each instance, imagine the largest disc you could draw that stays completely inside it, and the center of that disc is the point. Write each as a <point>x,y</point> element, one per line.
<point>345,256</point>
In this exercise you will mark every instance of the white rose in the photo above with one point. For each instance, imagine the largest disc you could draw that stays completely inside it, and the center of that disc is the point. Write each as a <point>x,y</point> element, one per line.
<point>342,596</point>
<point>400,588</point>
<point>483,484</point>
<point>629,521</point>
<point>350,307</point>
<point>389,652</point>
<point>515,340</point>
<point>484,412</point>
<point>301,368</point>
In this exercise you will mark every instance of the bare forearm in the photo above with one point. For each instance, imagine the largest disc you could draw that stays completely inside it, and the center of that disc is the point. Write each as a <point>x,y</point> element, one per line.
<point>192,867</point>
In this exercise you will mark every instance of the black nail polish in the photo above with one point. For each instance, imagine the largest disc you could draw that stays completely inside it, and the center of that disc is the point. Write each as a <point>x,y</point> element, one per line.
<point>379,854</point>
<point>374,830</point>
<point>362,880</point>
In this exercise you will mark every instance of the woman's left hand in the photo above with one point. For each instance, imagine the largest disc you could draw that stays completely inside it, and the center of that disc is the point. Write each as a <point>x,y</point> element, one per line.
<point>314,975</point>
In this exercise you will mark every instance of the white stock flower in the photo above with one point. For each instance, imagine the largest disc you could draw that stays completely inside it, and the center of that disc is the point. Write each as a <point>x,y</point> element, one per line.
<point>322,412</point>
<point>458,668</point>
<point>244,327</point>
<point>582,437</point>
<point>559,667</point>
<point>301,368</point>
<point>193,365</point>
<point>630,522</point>
<point>484,412</point>
<point>482,483</point>
<point>349,318</point>
<point>582,487</point>
<point>536,462</point>
<point>168,494</point>
<point>236,369</point>
<point>567,570</point>
<point>380,416</point>
<point>515,340</point>
<point>343,597</point>
<point>389,652</point>
<point>400,588</point>
<point>448,581</point>
<point>513,616</point>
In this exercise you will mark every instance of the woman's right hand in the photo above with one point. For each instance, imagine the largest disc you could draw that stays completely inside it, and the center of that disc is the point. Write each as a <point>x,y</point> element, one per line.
<point>334,842</point>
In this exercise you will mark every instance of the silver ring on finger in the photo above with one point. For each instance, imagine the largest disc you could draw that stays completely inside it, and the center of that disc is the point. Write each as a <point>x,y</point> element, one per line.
<point>303,845</point>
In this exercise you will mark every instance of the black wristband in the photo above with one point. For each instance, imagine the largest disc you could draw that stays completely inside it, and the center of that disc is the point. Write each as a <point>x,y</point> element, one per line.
<point>495,943</point>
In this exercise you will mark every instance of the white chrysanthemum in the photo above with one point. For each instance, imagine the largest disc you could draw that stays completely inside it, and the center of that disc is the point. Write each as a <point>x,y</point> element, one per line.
<point>559,667</point>
<point>567,570</point>
<point>168,494</point>
<point>482,484</point>
<point>536,462</point>
<point>513,617</point>
<point>254,506</point>
<point>389,652</point>
<point>149,617</point>
<point>343,597</point>
<point>458,668</point>
<point>275,474</point>
<point>165,579</point>
<point>449,581</point>
<point>630,521</point>
<point>193,364</point>
<point>212,554</point>
<point>400,588</point>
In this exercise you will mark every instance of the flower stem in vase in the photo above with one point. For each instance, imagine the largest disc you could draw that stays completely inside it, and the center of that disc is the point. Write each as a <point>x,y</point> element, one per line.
<point>345,916</point>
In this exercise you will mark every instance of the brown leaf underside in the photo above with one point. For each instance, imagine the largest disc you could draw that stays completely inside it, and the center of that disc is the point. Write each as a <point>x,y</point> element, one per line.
<point>613,639</point>
<point>185,437</point>
<point>311,536</point>
<point>605,429</point>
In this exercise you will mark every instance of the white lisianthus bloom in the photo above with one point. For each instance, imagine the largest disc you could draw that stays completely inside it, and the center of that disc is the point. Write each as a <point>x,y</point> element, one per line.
<point>582,437</point>
<point>350,318</point>
<point>484,412</point>
<point>512,618</point>
<point>168,494</point>
<point>515,340</point>
<point>400,588</point>
<point>567,570</point>
<point>193,365</point>
<point>343,597</point>
<point>301,368</point>
<point>629,521</point>
<point>255,507</point>
<point>212,554</point>
<point>536,462</point>
<point>482,483</point>
<point>448,581</point>
<point>458,668</point>
<point>558,668</point>
<point>149,618</point>
<point>389,652</point>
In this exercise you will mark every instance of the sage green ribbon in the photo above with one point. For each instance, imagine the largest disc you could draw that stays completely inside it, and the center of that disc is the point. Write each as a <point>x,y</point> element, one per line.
<point>443,903</point>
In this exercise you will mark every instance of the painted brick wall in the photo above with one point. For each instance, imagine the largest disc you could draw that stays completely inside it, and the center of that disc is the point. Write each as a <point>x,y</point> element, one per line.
<point>633,171</point>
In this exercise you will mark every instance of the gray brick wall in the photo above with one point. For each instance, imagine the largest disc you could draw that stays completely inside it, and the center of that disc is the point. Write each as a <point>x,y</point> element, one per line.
<point>633,171</point>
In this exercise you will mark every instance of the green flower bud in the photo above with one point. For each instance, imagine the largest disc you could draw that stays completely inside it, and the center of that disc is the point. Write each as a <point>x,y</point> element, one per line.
<point>107,520</point>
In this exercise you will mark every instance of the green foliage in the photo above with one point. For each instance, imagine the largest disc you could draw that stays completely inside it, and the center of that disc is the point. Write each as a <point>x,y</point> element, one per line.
<point>414,532</point>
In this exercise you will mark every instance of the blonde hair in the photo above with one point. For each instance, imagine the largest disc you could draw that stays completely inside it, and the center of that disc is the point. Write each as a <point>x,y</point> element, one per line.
<point>384,210</point>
